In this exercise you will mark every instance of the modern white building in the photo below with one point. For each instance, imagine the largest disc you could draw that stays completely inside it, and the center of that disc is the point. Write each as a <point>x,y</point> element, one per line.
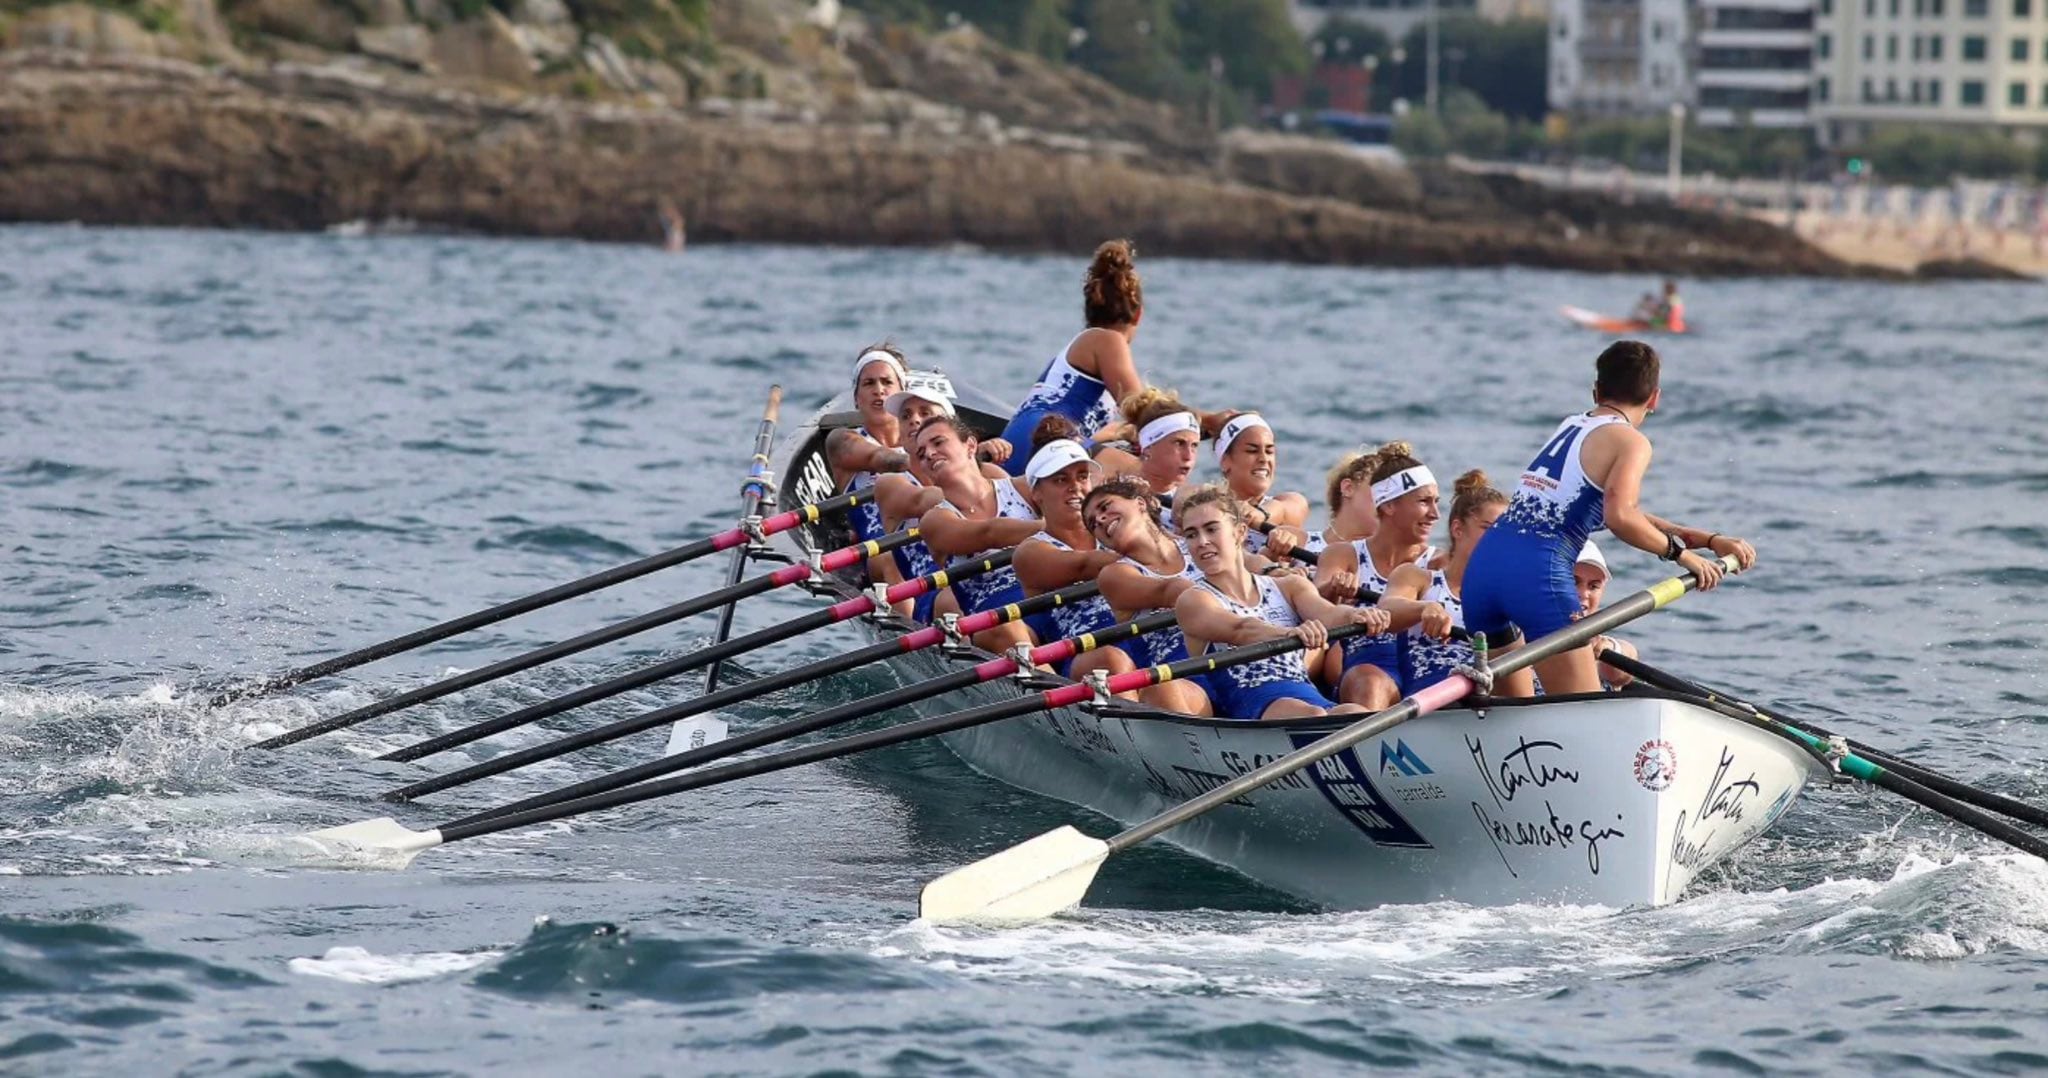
<point>1396,17</point>
<point>1754,63</point>
<point>1978,62</point>
<point>1619,57</point>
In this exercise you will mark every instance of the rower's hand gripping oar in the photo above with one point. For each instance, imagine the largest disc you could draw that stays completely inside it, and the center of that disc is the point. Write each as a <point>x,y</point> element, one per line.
<point>791,574</point>
<point>383,842</point>
<point>725,540</point>
<point>1958,801</point>
<point>1049,873</point>
<point>965,569</point>
<point>626,727</point>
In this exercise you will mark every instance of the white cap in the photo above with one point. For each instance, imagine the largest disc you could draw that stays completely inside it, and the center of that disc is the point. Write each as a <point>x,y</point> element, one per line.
<point>894,405</point>
<point>876,355</point>
<point>1590,555</point>
<point>1056,456</point>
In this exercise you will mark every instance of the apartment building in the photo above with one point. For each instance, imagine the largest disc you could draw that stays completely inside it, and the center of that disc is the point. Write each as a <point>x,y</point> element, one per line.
<point>1982,62</point>
<point>1619,57</point>
<point>1754,63</point>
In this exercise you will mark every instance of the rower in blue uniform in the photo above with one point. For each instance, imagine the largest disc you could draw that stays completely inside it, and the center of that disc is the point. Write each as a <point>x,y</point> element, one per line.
<point>978,516</point>
<point>1587,476</point>
<point>1231,606</point>
<point>1063,553</point>
<point>1405,510</point>
<point>1425,603</point>
<point>1151,572</point>
<point>1095,369</point>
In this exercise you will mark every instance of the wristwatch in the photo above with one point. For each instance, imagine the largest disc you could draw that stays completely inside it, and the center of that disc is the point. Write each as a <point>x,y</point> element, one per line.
<point>1673,547</point>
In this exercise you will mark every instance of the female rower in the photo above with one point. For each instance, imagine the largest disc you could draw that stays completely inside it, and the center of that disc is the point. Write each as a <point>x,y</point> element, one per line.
<point>904,496</point>
<point>1347,491</point>
<point>1588,476</point>
<point>1150,574</point>
<point>1063,552</point>
<point>1231,606</point>
<point>978,516</point>
<point>1590,575</point>
<point>1423,602</point>
<point>858,454</point>
<point>1405,506</point>
<point>1168,431</point>
<point>1249,460</point>
<point>1095,369</point>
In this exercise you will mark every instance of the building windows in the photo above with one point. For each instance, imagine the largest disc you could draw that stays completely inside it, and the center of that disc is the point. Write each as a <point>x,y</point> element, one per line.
<point>1976,9</point>
<point>1891,47</point>
<point>1934,47</point>
<point>2016,94</point>
<point>1914,94</point>
<point>1827,7</point>
<point>1973,48</point>
<point>1934,7</point>
<point>1820,89</point>
<point>1869,91</point>
<point>2022,9</point>
<point>1895,8</point>
<point>1934,91</point>
<point>2019,50</point>
<point>1973,92</point>
<point>1823,45</point>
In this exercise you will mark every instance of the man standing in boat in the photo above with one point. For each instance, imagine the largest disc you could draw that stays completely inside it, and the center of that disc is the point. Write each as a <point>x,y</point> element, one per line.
<point>1588,476</point>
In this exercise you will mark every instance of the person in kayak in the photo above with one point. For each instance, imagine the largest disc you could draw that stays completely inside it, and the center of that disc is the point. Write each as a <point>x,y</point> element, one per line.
<point>1249,459</point>
<point>1406,503</point>
<point>1152,570</point>
<point>1589,475</point>
<point>978,516</point>
<point>1662,312</point>
<point>1424,603</point>
<point>1231,606</point>
<point>1095,369</point>
<point>1063,552</point>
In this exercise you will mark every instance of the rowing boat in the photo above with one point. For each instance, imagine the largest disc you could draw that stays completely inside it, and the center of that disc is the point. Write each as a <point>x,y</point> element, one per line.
<point>1615,800</point>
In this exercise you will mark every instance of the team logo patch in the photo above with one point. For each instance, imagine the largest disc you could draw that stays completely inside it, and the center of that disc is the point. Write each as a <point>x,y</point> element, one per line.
<point>1656,765</point>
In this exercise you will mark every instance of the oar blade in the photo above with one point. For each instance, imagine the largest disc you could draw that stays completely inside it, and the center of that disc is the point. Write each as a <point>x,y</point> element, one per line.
<point>1033,879</point>
<point>379,843</point>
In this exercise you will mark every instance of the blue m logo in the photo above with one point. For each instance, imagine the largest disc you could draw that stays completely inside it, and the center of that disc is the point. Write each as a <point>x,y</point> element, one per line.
<point>1399,757</point>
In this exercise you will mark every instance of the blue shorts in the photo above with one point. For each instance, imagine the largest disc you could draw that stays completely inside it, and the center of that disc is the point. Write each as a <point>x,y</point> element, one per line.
<point>1519,580</point>
<point>989,591</point>
<point>1383,651</point>
<point>921,607</point>
<point>1235,702</point>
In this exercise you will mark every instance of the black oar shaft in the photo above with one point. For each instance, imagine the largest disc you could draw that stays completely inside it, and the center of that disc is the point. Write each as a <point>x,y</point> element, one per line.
<point>963,570</point>
<point>485,823</point>
<point>631,725</point>
<point>560,649</point>
<point>1933,780</point>
<point>830,717</point>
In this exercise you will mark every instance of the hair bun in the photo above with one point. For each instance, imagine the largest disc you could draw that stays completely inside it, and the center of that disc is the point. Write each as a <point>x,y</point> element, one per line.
<point>1114,258</point>
<point>1471,481</point>
<point>1051,429</point>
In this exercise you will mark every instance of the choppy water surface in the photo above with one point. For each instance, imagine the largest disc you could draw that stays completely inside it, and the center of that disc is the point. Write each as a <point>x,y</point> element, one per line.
<point>232,453</point>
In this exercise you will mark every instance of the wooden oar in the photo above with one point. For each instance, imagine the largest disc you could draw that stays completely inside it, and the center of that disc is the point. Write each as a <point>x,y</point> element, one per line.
<point>965,569</point>
<point>386,843</point>
<point>960,679</point>
<point>989,671</point>
<point>838,559</point>
<point>1047,874</point>
<point>726,540</point>
<point>1956,800</point>
<point>752,493</point>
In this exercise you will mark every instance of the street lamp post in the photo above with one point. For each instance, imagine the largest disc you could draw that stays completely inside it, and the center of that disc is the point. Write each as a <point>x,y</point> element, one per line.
<point>1429,66</point>
<point>1677,147</point>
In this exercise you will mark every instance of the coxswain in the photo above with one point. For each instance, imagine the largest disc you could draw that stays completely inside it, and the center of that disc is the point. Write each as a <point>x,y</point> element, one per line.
<point>1231,606</point>
<point>1587,476</point>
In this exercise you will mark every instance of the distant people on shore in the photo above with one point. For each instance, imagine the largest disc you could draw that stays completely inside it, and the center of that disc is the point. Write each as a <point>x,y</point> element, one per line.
<point>672,237</point>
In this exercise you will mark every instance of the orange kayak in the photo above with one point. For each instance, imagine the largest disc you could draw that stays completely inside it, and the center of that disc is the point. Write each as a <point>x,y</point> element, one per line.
<point>1594,320</point>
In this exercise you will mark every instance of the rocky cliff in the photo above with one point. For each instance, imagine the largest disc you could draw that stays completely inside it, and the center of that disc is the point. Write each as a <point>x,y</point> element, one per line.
<point>857,139</point>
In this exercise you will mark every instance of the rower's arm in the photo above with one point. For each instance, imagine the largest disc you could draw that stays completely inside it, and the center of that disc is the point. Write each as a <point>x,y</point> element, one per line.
<point>1403,598</point>
<point>1128,589</point>
<point>1114,363</point>
<point>1043,567</point>
<point>950,535</point>
<point>1628,458</point>
<point>849,453</point>
<point>1202,617</point>
<point>902,499</point>
<point>1313,607</point>
<point>1336,572</point>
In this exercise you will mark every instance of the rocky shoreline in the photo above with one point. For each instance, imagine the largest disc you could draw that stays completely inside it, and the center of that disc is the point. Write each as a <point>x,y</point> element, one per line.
<point>151,141</point>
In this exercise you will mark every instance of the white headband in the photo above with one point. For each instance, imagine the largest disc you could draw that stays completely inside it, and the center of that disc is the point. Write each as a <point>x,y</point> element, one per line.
<point>1236,427</point>
<point>1400,483</point>
<point>1167,425</point>
<point>879,356</point>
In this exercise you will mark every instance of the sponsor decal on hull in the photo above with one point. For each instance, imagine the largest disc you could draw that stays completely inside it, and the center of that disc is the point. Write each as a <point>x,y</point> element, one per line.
<point>1656,765</point>
<point>1344,782</point>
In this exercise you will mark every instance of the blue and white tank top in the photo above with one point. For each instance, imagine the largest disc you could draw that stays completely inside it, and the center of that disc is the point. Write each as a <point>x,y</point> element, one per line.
<point>1555,502</point>
<point>1380,649</point>
<point>1062,390</point>
<point>1165,644</point>
<point>1425,660</point>
<point>1254,539</point>
<point>914,559</point>
<point>865,519</point>
<point>1087,616</point>
<point>1274,608</point>
<point>992,589</point>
